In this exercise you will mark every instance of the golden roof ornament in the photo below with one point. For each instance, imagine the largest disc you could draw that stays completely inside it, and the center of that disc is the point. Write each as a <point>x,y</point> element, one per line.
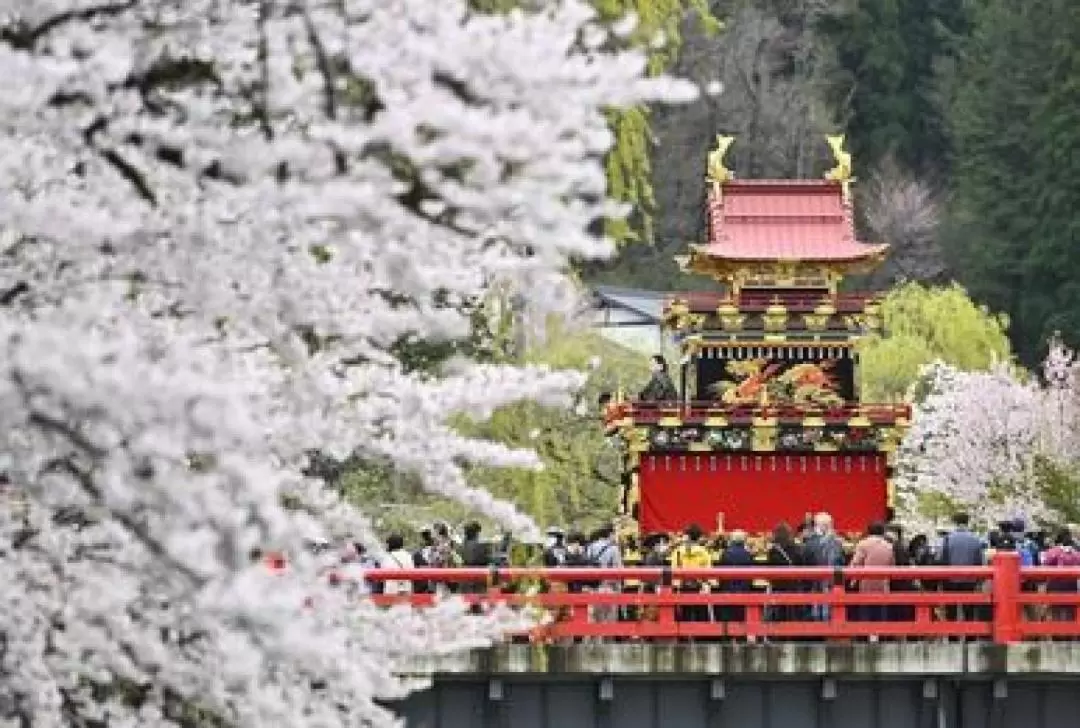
<point>715,171</point>
<point>842,172</point>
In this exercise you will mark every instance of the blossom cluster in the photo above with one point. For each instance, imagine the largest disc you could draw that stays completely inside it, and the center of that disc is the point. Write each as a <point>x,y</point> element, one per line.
<point>979,438</point>
<point>219,219</point>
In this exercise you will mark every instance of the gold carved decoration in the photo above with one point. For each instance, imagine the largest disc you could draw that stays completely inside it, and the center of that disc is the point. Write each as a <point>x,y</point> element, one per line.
<point>637,438</point>
<point>842,172</point>
<point>825,308</point>
<point>889,438</point>
<point>764,436</point>
<point>775,318</point>
<point>715,171</point>
<point>739,274</point>
<point>872,316</point>
<point>816,321</point>
<point>732,322</point>
<point>676,309</point>
<point>678,316</point>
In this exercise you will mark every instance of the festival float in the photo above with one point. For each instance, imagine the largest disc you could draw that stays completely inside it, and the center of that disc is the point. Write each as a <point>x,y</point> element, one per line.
<point>769,426</point>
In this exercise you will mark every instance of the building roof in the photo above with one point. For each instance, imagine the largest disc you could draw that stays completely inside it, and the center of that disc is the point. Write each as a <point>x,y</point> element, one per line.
<point>649,305</point>
<point>782,220</point>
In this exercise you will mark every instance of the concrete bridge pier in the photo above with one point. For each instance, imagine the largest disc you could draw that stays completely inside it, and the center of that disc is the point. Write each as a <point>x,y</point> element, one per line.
<point>887,685</point>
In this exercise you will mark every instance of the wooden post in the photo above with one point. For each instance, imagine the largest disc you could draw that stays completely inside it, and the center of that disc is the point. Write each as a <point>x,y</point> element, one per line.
<point>1006,593</point>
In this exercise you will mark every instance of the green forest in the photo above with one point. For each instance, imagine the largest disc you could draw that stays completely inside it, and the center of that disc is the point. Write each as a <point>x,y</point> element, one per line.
<point>963,117</point>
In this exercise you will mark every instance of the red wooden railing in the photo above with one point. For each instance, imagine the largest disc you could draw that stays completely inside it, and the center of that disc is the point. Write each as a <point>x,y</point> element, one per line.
<point>999,609</point>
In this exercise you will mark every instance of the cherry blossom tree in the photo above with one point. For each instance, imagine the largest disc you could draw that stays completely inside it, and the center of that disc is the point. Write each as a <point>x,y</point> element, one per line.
<point>982,439</point>
<point>221,220</point>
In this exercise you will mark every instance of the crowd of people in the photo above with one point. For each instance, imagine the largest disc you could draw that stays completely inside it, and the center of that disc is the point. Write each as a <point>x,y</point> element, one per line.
<point>814,543</point>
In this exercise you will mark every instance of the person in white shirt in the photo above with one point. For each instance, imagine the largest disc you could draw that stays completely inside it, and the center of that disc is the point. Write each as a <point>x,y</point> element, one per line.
<point>396,557</point>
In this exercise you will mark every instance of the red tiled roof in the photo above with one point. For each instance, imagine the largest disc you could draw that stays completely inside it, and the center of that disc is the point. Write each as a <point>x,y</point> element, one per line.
<point>783,220</point>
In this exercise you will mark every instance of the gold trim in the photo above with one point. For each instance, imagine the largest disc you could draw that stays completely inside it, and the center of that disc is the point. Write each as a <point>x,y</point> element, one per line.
<point>763,438</point>
<point>739,274</point>
<point>781,342</point>
<point>732,322</point>
<point>775,318</point>
<point>816,321</point>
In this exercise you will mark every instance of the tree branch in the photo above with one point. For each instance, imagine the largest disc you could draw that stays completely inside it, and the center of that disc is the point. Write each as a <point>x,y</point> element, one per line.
<point>263,109</point>
<point>85,480</point>
<point>24,37</point>
<point>322,62</point>
<point>125,168</point>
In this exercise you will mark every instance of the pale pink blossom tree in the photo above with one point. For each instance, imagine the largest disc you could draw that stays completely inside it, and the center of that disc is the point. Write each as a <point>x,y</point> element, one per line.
<point>219,221</point>
<point>978,438</point>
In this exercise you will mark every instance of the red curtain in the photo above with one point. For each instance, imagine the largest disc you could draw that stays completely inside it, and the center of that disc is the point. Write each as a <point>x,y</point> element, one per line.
<point>755,492</point>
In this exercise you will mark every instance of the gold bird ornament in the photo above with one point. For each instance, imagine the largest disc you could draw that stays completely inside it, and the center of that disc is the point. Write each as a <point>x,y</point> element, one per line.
<point>842,172</point>
<point>715,171</point>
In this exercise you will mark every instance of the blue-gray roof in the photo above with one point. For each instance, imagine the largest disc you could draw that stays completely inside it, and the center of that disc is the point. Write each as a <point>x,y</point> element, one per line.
<point>647,304</point>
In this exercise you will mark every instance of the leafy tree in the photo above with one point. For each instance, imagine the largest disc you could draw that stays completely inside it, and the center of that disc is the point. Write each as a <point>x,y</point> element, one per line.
<point>890,55</point>
<point>629,164</point>
<point>579,483</point>
<point>926,324</point>
<point>1012,226</point>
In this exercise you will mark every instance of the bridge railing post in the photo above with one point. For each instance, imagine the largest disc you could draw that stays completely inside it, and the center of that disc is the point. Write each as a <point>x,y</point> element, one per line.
<point>1005,590</point>
<point>665,612</point>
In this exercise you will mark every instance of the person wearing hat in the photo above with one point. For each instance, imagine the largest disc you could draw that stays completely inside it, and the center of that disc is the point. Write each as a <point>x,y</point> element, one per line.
<point>555,548</point>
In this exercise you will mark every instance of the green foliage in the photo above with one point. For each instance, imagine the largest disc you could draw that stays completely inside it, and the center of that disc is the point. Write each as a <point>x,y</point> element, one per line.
<point>924,324</point>
<point>494,6</point>
<point>629,165</point>
<point>579,484</point>
<point>395,501</point>
<point>629,173</point>
<point>1016,188</point>
<point>890,56</point>
<point>1060,488</point>
<point>663,17</point>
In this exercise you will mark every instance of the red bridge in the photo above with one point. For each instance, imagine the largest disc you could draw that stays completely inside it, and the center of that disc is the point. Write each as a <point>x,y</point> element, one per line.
<point>1006,603</point>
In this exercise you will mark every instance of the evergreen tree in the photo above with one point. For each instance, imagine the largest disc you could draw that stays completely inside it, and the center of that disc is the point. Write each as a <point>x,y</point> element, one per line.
<point>1013,231</point>
<point>890,56</point>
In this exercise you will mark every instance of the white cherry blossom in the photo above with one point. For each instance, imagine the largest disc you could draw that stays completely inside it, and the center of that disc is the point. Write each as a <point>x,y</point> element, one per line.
<point>219,219</point>
<point>977,437</point>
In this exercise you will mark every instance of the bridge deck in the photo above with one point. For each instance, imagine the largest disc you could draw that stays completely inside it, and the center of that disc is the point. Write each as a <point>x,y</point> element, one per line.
<point>1058,659</point>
